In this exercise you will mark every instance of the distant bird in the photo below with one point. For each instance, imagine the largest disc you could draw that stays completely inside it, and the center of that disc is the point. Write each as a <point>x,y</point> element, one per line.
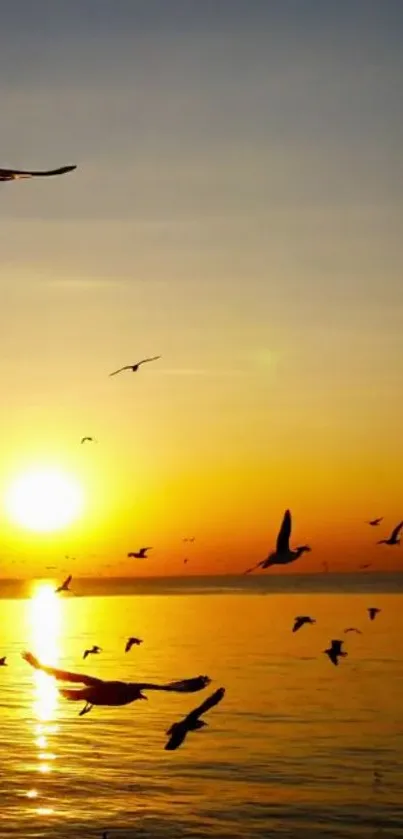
<point>373,612</point>
<point>325,567</point>
<point>65,585</point>
<point>375,522</point>
<point>140,554</point>
<point>188,539</point>
<point>365,566</point>
<point>335,651</point>
<point>283,554</point>
<point>134,367</point>
<point>300,620</point>
<point>93,651</point>
<point>88,440</point>
<point>353,629</point>
<point>394,536</point>
<point>3,661</point>
<point>100,692</point>
<point>185,561</point>
<point>192,722</point>
<point>130,642</point>
<point>19,174</point>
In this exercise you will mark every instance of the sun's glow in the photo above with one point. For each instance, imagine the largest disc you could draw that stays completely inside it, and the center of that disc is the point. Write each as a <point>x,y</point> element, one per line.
<point>44,500</point>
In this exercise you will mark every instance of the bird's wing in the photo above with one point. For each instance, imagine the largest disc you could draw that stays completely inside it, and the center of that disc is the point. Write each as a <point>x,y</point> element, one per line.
<point>144,360</point>
<point>258,565</point>
<point>397,530</point>
<point>68,580</point>
<point>36,174</point>
<point>127,367</point>
<point>176,736</point>
<point>297,624</point>
<point>183,686</point>
<point>61,675</point>
<point>283,538</point>
<point>208,703</point>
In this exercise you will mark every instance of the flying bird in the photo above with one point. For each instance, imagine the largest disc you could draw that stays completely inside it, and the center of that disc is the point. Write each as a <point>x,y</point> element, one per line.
<point>375,522</point>
<point>353,629</point>
<point>100,692</point>
<point>65,585</point>
<point>335,651</point>
<point>365,566</point>
<point>192,722</point>
<point>88,440</point>
<point>134,367</point>
<point>185,561</point>
<point>140,554</point>
<point>283,554</point>
<point>300,620</point>
<point>188,539</point>
<point>93,651</point>
<point>3,661</point>
<point>20,174</point>
<point>130,642</point>
<point>373,612</point>
<point>394,536</point>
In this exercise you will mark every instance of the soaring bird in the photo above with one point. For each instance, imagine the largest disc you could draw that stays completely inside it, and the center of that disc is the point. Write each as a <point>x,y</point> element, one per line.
<point>88,440</point>
<point>394,536</point>
<point>134,367</point>
<point>3,661</point>
<point>300,620</point>
<point>283,554</point>
<point>365,566</point>
<point>353,629</point>
<point>188,539</point>
<point>192,722</point>
<point>373,612</point>
<point>335,651</point>
<point>100,692</point>
<point>65,585</point>
<point>140,554</point>
<point>130,642</point>
<point>375,522</point>
<point>93,651</point>
<point>20,174</point>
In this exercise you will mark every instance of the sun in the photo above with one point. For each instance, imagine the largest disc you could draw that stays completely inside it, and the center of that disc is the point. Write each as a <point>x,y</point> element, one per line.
<point>44,500</point>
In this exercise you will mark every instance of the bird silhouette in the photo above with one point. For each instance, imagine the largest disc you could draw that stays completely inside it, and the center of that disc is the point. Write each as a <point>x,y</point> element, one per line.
<point>130,642</point>
<point>65,585</point>
<point>188,539</point>
<point>88,440</point>
<point>394,536</point>
<point>192,722</point>
<point>3,661</point>
<point>375,522</point>
<point>100,692</point>
<point>300,620</point>
<point>93,651</point>
<point>134,367</point>
<point>20,174</point>
<point>373,612</point>
<point>283,554</point>
<point>353,629</point>
<point>335,651</point>
<point>365,566</point>
<point>185,561</point>
<point>140,554</point>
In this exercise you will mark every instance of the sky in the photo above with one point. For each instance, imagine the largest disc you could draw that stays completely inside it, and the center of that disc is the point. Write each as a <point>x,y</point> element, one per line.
<point>237,209</point>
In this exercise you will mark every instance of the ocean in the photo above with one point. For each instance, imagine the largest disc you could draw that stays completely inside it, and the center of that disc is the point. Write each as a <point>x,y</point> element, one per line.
<point>297,749</point>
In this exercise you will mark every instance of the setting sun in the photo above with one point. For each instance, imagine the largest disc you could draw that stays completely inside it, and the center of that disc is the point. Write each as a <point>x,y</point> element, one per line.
<point>44,500</point>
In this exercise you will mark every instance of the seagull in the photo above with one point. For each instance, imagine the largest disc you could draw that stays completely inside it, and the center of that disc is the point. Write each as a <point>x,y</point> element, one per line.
<point>130,642</point>
<point>93,651</point>
<point>185,561</point>
<point>335,651</point>
<point>65,585</point>
<point>283,554</point>
<point>88,440</point>
<point>375,522</point>
<point>394,536</point>
<point>140,554</point>
<point>134,367</point>
<point>100,692</point>
<point>3,661</point>
<point>373,612</point>
<point>300,620</point>
<point>20,174</point>
<point>188,539</point>
<point>179,730</point>
<point>353,629</point>
<point>365,566</point>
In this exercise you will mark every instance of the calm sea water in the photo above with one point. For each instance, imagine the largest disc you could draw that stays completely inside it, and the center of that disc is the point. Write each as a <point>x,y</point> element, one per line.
<point>298,748</point>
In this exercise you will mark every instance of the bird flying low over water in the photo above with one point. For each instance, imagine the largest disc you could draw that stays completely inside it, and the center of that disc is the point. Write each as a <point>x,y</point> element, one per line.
<point>192,722</point>
<point>87,440</point>
<point>100,692</point>
<point>300,620</point>
<point>20,174</point>
<point>188,539</point>
<point>134,367</point>
<point>394,536</point>
<point>93,651</point>
<point>335,651</point>
<point>373,612</point>
<point>3,661</point>
<point>140,554</point>
<point>65,585</point>
<point>283,554</point>
<point>130,643</point>
<point>353,629</point>
<point>375,522</point>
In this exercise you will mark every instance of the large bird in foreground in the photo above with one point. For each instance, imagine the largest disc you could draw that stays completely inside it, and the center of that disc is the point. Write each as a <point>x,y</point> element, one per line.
<point>100,692</point>
<point>394,536</point>
<point>335,651</point>
<point>20,174</point>
<point>134,367</point>
<point>192,722</point>
<point>283,553</point>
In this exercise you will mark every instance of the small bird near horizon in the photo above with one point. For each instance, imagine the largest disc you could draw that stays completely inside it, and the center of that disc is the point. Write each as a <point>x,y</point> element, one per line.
<point>188,539</point>
<point>353,629</point>
<point>365,566</point>
<point>100,692</point>
<point>373,612</point>
<point>375,522</point>
<point>134,367</point>
<point>88,440</point>
<point>131,642</point>
<point>140,554</point>
<point>394,536</point>
<point>21,174</point>
<point>93,651</point>
<point>335,651</point>
<point>192,722</point>
<point>283,555</point>
<point>65,585</point>
<point>3,661</point>
<point>300,620</point>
